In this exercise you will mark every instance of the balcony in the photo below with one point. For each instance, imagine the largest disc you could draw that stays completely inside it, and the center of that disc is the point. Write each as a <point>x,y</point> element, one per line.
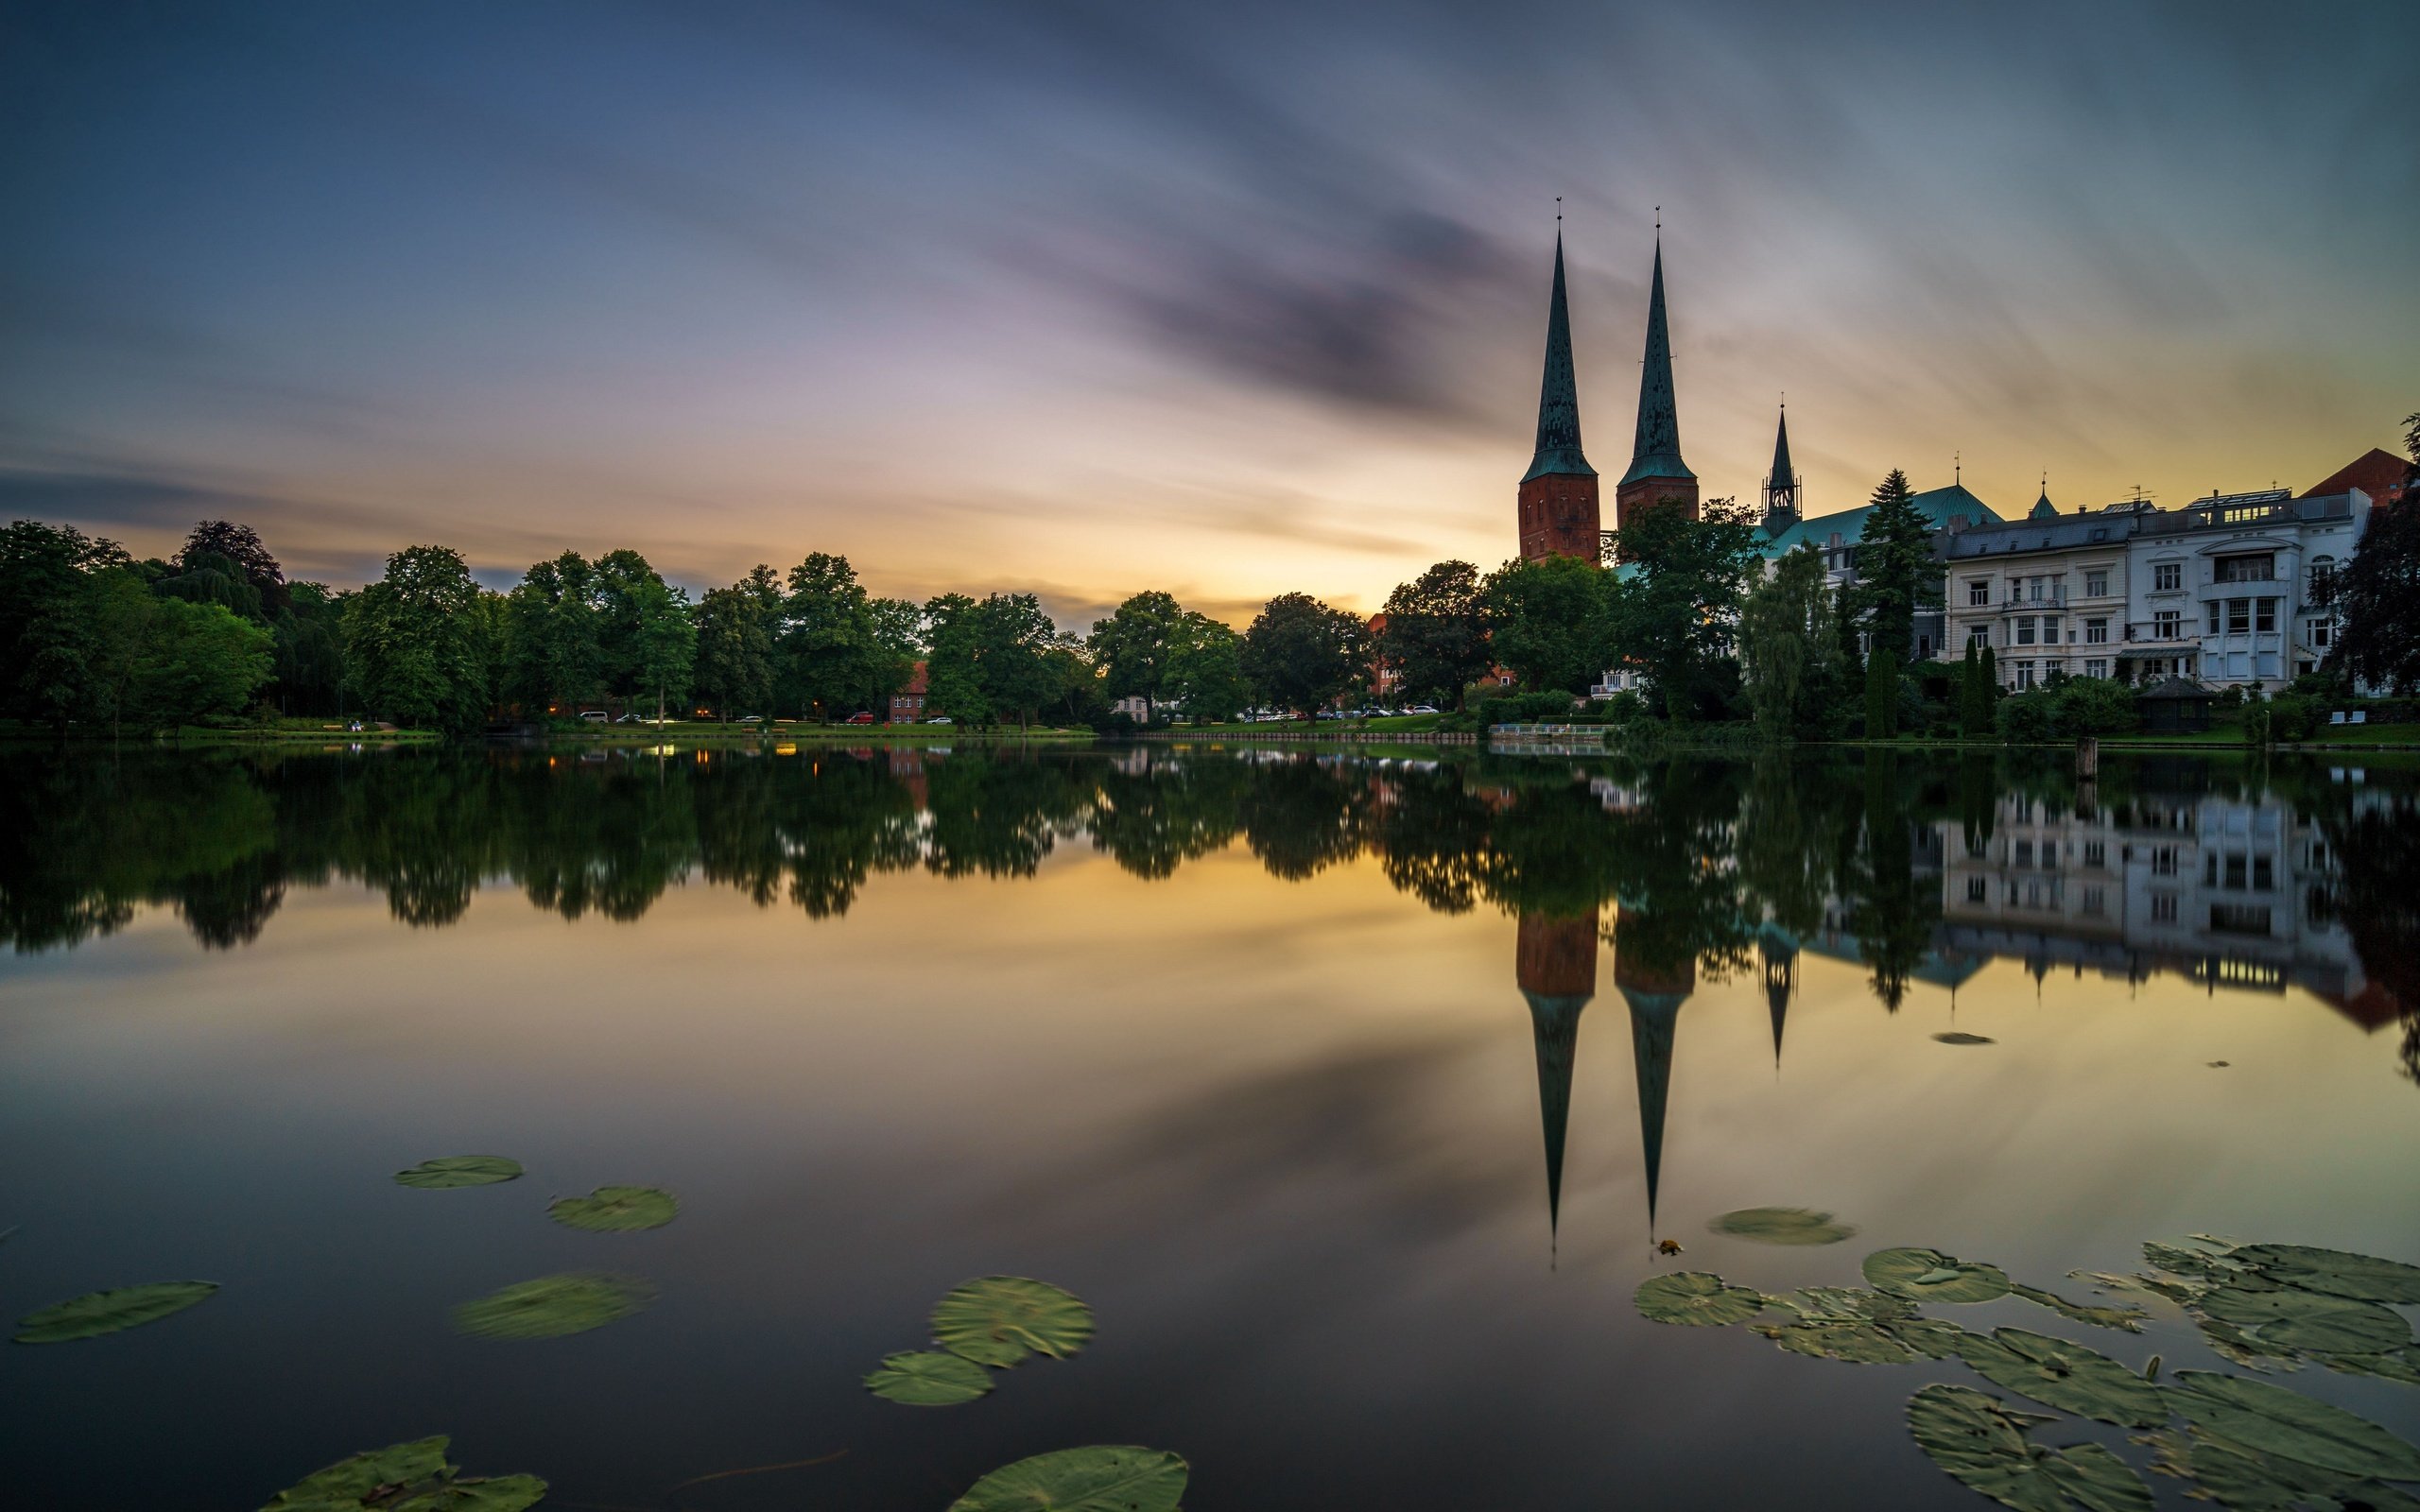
<point>2148,633</point>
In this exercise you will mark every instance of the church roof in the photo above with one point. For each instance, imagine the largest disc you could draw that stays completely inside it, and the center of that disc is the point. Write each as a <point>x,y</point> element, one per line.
<point>2378,474</point>
<point>1656,452</point>
<point>1948,509</point>
<point>1559,394</point>
<point>1781,476</point>
<point>2043,509</point>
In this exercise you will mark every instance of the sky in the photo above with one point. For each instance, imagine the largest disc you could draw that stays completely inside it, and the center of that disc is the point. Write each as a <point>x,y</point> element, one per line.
<point>1229,299</point>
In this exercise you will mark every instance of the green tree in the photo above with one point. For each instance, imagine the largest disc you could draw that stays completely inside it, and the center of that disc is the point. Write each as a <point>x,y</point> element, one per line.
<point>1138,643</point>
<point>49,622</point>
<point>1013,637</point>
<point>310,649</point>
<point>1436,634</point>
<point>1300,653</point>
<point>833,656</point>
<point>224,547</point>
<point>1547,622</point>
<point>737,629</point>
<point>1787,646</point>
<point>1896,573</point>
<point>1882,694</point>
<point>1673,613</point>
<point>953,681</point>
<point>1206,670</point>
<point>1974,694</point>
<point>555,633</point>
<point>412,641</point>
<point>663,643</point>
<point>2379,594</point>
<point>191,661</point>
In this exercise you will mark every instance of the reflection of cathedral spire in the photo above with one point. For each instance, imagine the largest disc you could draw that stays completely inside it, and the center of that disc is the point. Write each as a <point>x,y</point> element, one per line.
<point>1556,966</point>
<point>1654,995</point>
<point>1780,954</point>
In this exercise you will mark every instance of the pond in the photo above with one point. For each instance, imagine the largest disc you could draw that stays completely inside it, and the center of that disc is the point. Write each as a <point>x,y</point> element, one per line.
<point>1353,1092</point>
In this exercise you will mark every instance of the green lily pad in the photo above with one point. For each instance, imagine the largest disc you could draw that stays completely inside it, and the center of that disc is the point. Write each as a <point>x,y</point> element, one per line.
<point>411,1477</point>
<point>95,1313</point>
<point>1929,1276</point>
<point>2402,1364</point>
<point>449,1171</point>
<point>1958,1036</point>
<point>2310,1320</point>
<point>1781,1226</point>
<point>2197,1255</point>
<point>615,1210</point>
<point>2246,1480</point>
<point>1982,1445</point>
<point>1856,1343</point>
<point>2335,1272</point>
<point>928,1378</point>
<point>2128,1318</point>
<point>997,1320</point>
<point>2242,1348</point>
<point>2059,1374</point>
<point>1696,1298</point>
<point>554,1307</point>
<point>1824,1302</point>
<point>2273,1420</point>
<point>1930,1336</point>
<point>1102,1478</point>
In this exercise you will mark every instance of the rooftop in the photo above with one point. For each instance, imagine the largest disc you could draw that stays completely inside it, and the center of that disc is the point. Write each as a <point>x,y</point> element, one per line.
<point>1949,509</point>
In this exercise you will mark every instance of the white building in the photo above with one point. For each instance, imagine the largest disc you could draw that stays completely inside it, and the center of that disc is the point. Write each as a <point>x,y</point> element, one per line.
<point>2047,593</point>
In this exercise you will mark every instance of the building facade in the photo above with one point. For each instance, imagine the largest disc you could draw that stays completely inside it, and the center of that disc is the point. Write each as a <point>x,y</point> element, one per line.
<point>2047,593</point>
<point>1557,499</point>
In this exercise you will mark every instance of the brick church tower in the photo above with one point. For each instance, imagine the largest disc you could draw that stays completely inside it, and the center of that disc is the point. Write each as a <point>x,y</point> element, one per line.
<point>1656,471</point>
<point>1558,497</point>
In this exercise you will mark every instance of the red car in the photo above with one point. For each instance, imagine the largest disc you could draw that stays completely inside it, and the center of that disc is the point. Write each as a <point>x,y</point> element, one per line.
<point>859,718</point>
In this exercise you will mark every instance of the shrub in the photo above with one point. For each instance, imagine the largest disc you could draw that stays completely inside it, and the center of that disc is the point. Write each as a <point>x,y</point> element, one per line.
<point>2077,706</point>
<point>1523,708</point>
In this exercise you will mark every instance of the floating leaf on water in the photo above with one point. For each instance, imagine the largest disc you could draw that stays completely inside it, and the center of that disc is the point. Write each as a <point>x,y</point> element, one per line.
<point>1102,1478</point>
<point>2145,1288</point>
<point>2217,1065</point>
<point>95,1313</point>
<point>2126,1318</point>
<point>1781,1226</point>
<point>2243,1348</point>
<point>997,1320</point>
<point>2246,1480</point>
<point>1696,1298</point>
<point>2403,1365</point>
<point>1819,1302</point>
<point>2273,1420</point>
<point>1857,1343</point>
<point>1929,1276</point>
<point>449,1171</point>
<point>927,1377</point>
<point>615,1210</point>
<point>2335,1272</point>
<point>2310,1320</point>
<point>2059,1374</point>
<point>1982,1444</point>
<point>1960,1037</point>
<point>411,1477</point>
<point>2150,1368</point>
<point>552,1307</point>
<point>2197,1255</point>
<point>1930,1337</point>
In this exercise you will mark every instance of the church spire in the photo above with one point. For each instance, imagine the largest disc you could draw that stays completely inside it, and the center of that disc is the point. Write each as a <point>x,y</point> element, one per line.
<point>1559,395</point>
<point>1781,483</point>
<point>1656,452</point>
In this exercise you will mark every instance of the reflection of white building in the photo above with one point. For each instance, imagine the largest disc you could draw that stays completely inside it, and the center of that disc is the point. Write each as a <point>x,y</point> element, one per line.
<point>2228,892</point>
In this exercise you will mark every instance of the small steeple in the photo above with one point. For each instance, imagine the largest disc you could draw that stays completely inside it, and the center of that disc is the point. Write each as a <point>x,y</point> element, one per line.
<point>1781,483</point>
<point>1656,451</point>
<point>1559,395</point>
<point>2043,509</point>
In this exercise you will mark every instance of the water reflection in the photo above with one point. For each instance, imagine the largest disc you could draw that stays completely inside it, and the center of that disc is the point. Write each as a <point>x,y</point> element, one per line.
<point>1918,870</point>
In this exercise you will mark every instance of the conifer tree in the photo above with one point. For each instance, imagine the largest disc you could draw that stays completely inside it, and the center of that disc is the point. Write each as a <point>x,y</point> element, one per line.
<point>1896,573</point>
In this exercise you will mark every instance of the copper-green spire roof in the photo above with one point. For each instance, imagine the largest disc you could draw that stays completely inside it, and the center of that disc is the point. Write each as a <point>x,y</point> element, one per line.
<point>1559,396</point>
<point>1657,453</point>
<point>1780,473</point>
<point>1556,1021</point>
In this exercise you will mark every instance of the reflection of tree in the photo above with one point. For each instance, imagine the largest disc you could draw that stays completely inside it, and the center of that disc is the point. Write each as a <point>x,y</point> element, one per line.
<point>1891,917</point>
<point>1168,811</point>
<point>1001,814</point>
<point>2375,836</point>
<point>1299,817</point>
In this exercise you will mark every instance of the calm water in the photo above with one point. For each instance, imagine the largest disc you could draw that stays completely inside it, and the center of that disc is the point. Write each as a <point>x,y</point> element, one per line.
<point>1351,1094</point>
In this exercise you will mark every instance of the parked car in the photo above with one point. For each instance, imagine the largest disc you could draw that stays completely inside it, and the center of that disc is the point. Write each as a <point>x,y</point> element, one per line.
<point>1420,708</point>
<point>595,716</point>
<point>861,717</point>
<point>938,720</point>
<point>749,719</point>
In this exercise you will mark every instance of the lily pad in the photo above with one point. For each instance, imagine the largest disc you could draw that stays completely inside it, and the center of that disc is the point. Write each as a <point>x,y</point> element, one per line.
<point>1982,1445</point>
<point>1930,1336</point>
<point>1696,1298</point>
<point>1929,1276</point>
<point>1824,1302</point>
<point>927,1377</point>
<point>1856,1343</point>
<point>2273,1420</point>
<point>2242,1348</point>
<point>615,1210</point>
<point>2246,1480</point>
<point>1781,1226</point>
<point>2403,1365</point>
<point>95,1313</point>
<point>1956,1037</point>
<point>2059,1374</point>
<point>2335,1272</point>
<point>2310,1320</point>
<point>554,1307</point>
<point>413,1477</point>
<point>998,1320</point>
<point>2197,1255</point>
<point>2163,1288</point>
<point>1100,1478</point>
<point>450,1170</point>
<point>2128,1318</point>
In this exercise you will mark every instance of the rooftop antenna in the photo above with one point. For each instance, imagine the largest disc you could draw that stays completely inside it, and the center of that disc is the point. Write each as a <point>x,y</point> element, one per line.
<point>1957,467</point>
<point>1558,214</point>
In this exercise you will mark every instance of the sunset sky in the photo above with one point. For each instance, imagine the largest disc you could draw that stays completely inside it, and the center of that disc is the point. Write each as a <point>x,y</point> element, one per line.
<point>1229,298</point>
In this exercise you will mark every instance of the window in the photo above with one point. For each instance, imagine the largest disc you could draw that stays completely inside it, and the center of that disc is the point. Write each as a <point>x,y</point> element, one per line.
<point>1980,636</point>
<point>2025,629</point>
<point>2264,874</point>
<point>2167,577</point>
<point>2096,584</point>
<point>2237,866</point>
<point>2238,918</point>
<point>2096,668</point>
<point>2095,853</point>
<point>2049,854</point>
<point>2267,608</point>
<point>2319,631</point>
<point>2163,908</point>
<point>1979,591</point>
<point>2025,852</point>
<point>1975,886</point>
<point>2322,580</point>
<point>2096,632</point>
<point>2238,615</point>
<point>2167,624</point>
<point>2259,569</point>
<point>2024,674</point>
<point>2164,861</point>
<point>2049,630</point>
<point>2094,901</point>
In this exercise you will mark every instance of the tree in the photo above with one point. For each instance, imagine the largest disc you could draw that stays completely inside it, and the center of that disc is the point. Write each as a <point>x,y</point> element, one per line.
<point>1896,573</point>
<point>833,653</point>
<point>665,641</point>
<point>1547,622</point>
<point>310,649</point>
<point>555,633</point>
<point>191,663</point>
<point>1206,670</point>
<point>1675,613</point>
<point>735,644</point>
<point>217,542</point>
<point>1137,645</point>
<point>1787,646</point>
<point>1300,653</point>
<point>1012,639</point>
<point>953,684</point>
<point>1882,694</point>
<point>412,641</point>
<point>1436,635</point>
<point>47,624</point>
<point>1975,694</point>
<point>2380,592</point>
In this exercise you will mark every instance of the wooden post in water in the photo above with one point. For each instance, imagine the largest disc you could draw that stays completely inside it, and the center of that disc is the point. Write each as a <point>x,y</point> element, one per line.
<point>2087,757</point>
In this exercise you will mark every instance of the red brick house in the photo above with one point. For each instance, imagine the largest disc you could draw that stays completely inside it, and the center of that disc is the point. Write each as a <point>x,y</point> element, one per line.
<point>906,706</point>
